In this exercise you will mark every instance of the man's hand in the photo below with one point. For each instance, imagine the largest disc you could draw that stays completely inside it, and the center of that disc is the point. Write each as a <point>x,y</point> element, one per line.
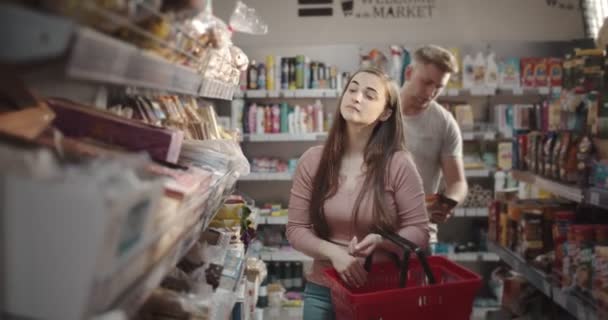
<point>440,212</point>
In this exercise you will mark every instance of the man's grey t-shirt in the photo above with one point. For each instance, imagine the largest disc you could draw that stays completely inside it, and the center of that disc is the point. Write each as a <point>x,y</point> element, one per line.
<point>431,135</point>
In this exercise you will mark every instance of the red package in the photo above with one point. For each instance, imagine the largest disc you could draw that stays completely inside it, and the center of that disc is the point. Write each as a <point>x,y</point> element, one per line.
<point>527,72</point>
<point>540,73</point>
<point>555,72</point>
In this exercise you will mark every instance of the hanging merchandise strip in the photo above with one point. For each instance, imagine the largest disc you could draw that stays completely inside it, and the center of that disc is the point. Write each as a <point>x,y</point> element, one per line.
<point>97,57</point>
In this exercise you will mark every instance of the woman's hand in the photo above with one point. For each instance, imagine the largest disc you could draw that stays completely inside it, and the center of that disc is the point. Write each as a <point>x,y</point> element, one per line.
<point>349,268</point>
<point>366,246</point>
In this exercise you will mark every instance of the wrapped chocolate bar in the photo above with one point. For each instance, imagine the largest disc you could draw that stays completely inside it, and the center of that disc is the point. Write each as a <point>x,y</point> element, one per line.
<point>80,121</point>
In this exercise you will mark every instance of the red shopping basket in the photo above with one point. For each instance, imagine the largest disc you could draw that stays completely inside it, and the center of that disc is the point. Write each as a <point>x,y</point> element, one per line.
<point>435,288</point>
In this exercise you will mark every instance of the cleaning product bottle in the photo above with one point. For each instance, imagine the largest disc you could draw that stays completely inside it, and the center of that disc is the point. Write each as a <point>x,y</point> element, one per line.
<point>267,119</point>
<point>252,76</point>
<point>491,78</point>
<point>284,117</point>
<point>297,115</point>
<point>259,120</point>
<point>261,76</point>
<point>291,120</point>
<point>252,118</point>
<point>396,61</point>
<point>499,180</point>
<point>292,73</point>
<point>276,119</point>
<point>468,69</point>
<point>310,118</point>
<point>306,73</point>
<point>284,73</point>
<point>270,74</point>
<point>319,116</point>
<point>405,62</point>
<point>314,80</point>
<point>300,72</point>
<point>479,71</point>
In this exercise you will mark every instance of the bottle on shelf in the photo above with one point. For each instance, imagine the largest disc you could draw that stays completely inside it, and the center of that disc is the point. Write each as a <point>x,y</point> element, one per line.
<point>263,294</point>
<point>270,74</point>
<point>252,76</point>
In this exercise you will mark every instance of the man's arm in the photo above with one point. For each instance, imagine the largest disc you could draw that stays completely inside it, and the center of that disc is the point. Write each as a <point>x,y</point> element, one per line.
<point>452,168</point>
<point>455,179</point>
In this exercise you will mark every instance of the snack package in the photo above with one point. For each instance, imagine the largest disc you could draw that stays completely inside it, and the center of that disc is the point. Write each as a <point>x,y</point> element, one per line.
<point>540,73</point>
<point>509,73</point>
<point>527,72</point>
<point>555,72</point>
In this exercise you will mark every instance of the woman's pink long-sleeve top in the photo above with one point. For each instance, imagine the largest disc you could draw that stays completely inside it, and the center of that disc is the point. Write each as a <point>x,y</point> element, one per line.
<point>404,195</point>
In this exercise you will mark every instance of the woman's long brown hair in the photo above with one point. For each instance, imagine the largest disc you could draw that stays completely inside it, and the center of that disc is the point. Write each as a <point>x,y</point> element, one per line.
<point>386,139</point>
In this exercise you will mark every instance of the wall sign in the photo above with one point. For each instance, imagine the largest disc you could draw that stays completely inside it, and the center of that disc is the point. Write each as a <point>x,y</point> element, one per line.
<point>368,9</point>
<point>564,4</point>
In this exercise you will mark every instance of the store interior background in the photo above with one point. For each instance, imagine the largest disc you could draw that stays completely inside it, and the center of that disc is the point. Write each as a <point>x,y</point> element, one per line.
<point>508,28</point>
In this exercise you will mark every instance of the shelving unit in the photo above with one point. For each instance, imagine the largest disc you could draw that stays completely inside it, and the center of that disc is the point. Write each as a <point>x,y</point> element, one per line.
<point>286,176</point>
<point>458,212</point>
<point>285,137</point>
<point>471,212</point>
<point>298,93</point>
<point>491,92</point>
<point>284,255</point>
<point>544,284</point>
<point>565,191</point>
<point>472,256</point>
<point>89,55</point>
<point>55,49</point>
<point>278,176</point>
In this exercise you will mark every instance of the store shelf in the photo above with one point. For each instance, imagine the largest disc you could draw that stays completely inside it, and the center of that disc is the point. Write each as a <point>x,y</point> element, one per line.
<point>216,89</point>
<point>286,176</point>
<point>565,191</point>
<point>94,56</point>
<point>471,212</point>
<point>285,137</point>
<point>537,278</point>
<point>136,295</point>
<point>574,305</point>
<point>477,173</point>
<point>472,256</point>
<point>478,135</point>
<point>489,92</point>
<point>299,93</point>
<point>597,197</point>
<point>284,255</point>
<point>257,176</point>
<point>170,248</point>
<point>274,220</point>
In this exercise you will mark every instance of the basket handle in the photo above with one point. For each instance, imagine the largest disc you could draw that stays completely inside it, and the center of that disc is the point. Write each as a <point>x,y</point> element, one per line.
<point>407,247</point>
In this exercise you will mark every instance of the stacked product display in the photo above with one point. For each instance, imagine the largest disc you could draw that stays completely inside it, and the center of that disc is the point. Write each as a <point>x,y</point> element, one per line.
<point>291,73</point>
<point>280,118</point>
<point>558,147</point>
<point>113,192</point>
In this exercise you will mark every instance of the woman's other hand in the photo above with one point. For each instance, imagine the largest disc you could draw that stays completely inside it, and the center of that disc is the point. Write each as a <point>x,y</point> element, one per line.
<point>366,246</point>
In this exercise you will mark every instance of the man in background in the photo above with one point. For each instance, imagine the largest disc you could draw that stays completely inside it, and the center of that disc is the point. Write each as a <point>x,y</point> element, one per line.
<point>431,132</point>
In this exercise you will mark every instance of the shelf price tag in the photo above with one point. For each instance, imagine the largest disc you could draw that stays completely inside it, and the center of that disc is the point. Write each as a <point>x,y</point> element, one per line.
<point>453,92</point>
<point>581,314</point>
<point>547,288</point>
<point>594,198</point>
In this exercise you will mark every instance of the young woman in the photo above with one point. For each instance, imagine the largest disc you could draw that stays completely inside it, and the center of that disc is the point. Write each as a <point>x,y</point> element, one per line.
<point>362,178</point>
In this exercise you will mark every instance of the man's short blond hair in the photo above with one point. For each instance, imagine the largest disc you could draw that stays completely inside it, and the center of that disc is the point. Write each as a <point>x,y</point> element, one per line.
<point>437,56</point>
